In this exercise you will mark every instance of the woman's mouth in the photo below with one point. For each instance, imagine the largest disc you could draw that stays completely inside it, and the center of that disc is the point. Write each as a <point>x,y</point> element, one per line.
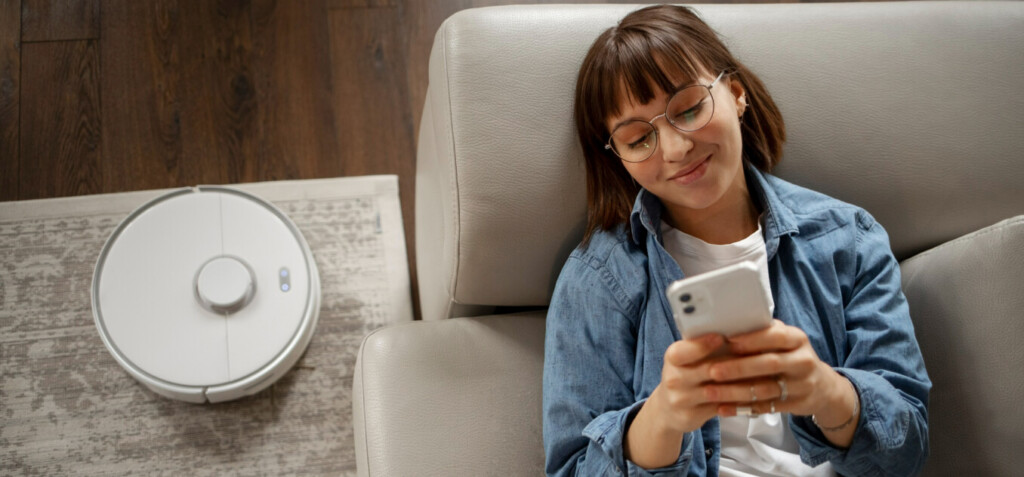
<point>691,173</point>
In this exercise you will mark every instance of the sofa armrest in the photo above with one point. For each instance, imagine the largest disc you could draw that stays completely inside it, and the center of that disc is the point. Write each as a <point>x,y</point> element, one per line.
<point>966,299</point>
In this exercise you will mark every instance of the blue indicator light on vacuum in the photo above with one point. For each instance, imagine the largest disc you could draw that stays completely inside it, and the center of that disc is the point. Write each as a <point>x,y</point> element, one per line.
<point>284,277</point>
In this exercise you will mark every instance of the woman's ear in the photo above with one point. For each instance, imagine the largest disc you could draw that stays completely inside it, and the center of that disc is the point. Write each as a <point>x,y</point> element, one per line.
<point>740,94</point>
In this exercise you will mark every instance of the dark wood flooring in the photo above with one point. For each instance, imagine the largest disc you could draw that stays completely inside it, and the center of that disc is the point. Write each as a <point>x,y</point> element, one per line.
<point>120,95</point>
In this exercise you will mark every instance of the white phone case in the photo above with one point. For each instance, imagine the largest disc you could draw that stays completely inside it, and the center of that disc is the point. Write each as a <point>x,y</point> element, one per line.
<point>727,301</point>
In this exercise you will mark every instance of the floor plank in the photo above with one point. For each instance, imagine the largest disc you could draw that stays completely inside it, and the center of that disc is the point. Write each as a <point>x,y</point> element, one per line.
<point>60,124</point>
<point>291,65</point>
<point>221,107</point>
<point>335,4</point>
<point>180,97</point>
<point>10,93</point>
<point>143,89</point>
<point>370,103</point>
<point>51,20</point>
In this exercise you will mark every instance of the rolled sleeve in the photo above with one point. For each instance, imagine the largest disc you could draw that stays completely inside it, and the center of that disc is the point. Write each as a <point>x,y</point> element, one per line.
<point>607,432</point>
<point>589,365</point>
<point>884,363</point>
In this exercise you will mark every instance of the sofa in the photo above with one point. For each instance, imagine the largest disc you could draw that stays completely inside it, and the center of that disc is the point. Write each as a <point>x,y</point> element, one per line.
<point>912,110</point>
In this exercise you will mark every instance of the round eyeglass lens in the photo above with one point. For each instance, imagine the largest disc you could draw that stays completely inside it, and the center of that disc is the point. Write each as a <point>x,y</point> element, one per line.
<point>691,108</point>
<point>634,141</point>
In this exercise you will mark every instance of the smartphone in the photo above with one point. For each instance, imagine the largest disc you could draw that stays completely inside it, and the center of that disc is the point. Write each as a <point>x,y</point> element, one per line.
<point>727,301</point>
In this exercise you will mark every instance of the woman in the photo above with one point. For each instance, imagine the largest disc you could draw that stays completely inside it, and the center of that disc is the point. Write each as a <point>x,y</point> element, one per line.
<point>678,138</point>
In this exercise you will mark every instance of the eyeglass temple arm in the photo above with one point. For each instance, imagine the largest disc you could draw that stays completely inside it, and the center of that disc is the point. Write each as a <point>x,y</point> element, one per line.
<point>713,83</point>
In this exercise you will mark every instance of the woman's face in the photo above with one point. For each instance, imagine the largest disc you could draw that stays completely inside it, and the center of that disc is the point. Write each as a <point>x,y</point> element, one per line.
<point>693,173</point>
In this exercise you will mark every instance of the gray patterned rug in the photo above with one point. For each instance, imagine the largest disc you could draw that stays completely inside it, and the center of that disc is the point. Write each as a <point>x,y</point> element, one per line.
<point>66,407</point>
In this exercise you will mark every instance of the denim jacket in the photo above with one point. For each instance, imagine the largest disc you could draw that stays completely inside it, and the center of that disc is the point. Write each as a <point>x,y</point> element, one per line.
<point>832,275</point>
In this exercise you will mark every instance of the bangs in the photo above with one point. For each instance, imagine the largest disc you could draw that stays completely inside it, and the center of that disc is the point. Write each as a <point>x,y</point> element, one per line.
<point>636,67</point>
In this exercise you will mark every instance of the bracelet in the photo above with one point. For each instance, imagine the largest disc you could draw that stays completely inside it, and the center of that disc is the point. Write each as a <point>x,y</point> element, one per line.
<point>856,412</point>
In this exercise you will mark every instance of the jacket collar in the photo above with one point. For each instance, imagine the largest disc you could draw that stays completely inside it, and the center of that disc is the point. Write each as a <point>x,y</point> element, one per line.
<point>645,219</point>
<point>778,218</point>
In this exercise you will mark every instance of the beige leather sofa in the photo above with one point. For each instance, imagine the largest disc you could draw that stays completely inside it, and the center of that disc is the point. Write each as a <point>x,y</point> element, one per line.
<point>914,111</point>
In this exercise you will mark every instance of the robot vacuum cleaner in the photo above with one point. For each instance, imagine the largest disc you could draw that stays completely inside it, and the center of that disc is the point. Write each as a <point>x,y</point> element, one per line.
<point>206,294</point>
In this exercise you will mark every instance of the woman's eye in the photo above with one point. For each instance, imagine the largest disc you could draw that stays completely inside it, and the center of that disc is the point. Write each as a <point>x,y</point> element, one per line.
<point>642,142</point>
<point>690,115</point>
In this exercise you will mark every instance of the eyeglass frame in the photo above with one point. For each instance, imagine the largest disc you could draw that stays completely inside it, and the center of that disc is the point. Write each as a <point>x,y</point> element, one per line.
<point>650,122</point>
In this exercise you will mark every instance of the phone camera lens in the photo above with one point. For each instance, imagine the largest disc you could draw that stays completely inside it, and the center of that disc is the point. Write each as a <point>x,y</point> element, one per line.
<point>689,310</point>
<point>685,297</point>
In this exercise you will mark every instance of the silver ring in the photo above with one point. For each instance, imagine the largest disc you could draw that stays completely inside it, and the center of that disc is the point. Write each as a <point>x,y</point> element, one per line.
<point>783,392</point>
<point>773,407</point>
<point>753,395</point>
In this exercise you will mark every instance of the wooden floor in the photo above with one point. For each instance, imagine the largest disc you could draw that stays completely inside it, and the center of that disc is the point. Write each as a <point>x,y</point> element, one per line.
<point>120,95</point>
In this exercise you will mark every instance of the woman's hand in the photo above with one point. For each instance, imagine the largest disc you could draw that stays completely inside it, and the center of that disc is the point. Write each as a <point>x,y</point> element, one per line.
<point>771,370</point>
<point>777,370</point>
<point>678,405</point>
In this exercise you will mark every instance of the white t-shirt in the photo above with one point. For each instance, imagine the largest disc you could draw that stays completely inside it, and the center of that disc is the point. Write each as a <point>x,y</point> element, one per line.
<point>751,446</point>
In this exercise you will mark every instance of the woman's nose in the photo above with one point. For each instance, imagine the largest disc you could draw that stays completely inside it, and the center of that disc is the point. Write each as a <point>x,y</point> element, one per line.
<point>674,143</point>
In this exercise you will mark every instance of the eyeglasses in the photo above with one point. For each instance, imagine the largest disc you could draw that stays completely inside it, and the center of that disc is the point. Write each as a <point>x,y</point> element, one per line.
<point>688,110</point>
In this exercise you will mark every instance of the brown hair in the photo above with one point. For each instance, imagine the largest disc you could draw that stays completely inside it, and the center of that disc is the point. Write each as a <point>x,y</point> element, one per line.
<point>627,61</point>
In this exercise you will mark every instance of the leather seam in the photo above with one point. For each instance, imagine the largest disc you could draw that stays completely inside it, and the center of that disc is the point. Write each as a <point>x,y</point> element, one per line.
<point>453,176</point>
<point>362,392</point>
<point>999,226</point>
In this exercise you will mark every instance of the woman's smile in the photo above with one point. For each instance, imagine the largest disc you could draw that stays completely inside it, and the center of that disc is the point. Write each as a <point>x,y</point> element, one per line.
<point>691,173</point>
